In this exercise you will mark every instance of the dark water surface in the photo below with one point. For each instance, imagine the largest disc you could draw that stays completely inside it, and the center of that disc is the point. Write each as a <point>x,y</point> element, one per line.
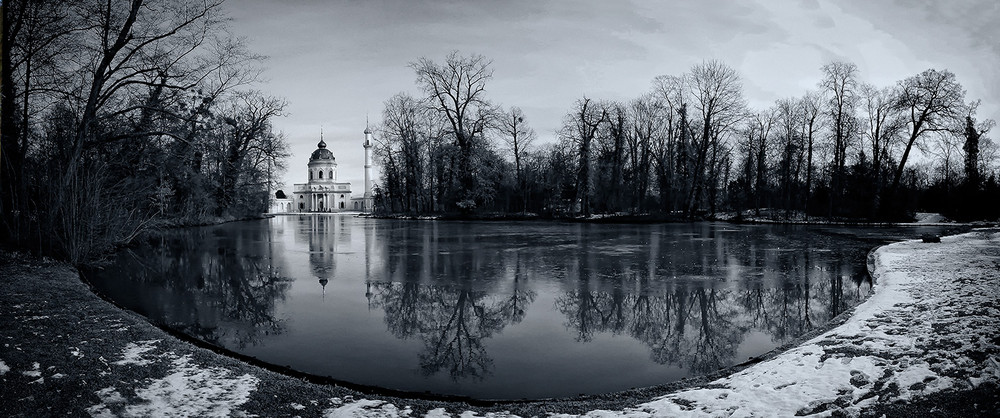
<point>496,310</point>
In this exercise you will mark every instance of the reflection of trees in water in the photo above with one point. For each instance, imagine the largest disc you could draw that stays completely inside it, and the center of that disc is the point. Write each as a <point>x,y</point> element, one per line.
<point>431,289</point>
<point>700,325</point>
<point>451,321</point>
<point>696,328</point>
<point>222,290</point>
<point>693,295</point>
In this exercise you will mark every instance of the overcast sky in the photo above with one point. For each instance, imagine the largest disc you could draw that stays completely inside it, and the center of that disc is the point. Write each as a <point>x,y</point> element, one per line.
<point>336,62</point>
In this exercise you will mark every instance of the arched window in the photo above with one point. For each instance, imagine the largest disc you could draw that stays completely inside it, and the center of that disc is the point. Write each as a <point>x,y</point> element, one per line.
<point>341,196</point>
<point>321,174</point>
<point>310,175</point>
<point>331,174</point>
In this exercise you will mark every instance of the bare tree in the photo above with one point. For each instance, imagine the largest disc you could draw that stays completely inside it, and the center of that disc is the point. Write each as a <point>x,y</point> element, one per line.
<point>788,119</point>
<point>671,147</point>
<point>580,128</point>
<point>946,150</point>
<point>249,119</point>
<point>811,105</point>
<point>759,132</point>
<point>128,43</point>
<point>611,158</point>
<point>406,151</point>
<point>648,118</point>
<point>518,136</point>
<point>932,101</point>
<point>717,98</point>
<point>457,90</point>
<point>37,37</point>
<point>840,83</point>
<point>884,124</point>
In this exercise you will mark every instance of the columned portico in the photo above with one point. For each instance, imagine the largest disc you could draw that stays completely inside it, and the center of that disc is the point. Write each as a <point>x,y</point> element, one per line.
<point>322,193</point>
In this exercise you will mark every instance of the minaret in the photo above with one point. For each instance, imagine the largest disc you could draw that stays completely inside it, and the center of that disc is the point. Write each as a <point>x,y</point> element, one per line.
<point>369,201</point>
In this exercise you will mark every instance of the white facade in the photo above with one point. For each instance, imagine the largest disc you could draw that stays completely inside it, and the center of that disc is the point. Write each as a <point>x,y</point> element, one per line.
<point>322,192</point>
<point>281,205</point>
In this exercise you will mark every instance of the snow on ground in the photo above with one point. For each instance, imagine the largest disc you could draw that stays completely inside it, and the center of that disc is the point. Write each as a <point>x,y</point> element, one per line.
<point>3,368</point>
<point>188,389</point>
<point>34,372</point>
<point>134,353</point>
<point>929,218</point>
<point>364,408</point>
<point>193,390</point>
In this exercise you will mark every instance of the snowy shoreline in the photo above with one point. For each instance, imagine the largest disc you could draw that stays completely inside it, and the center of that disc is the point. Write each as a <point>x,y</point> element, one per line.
<point>927,331</point>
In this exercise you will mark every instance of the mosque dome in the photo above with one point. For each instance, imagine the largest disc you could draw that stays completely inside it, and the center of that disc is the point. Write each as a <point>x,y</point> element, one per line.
<point>321,153</point>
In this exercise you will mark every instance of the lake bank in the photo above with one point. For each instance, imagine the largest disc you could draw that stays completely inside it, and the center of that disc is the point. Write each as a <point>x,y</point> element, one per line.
<point>921,219</point>
<point>496,310</point>
<point>67,351</point>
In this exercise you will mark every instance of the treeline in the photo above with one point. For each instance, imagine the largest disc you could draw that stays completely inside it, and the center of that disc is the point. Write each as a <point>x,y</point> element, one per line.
<point>692,147</point>
<point>122,114</point>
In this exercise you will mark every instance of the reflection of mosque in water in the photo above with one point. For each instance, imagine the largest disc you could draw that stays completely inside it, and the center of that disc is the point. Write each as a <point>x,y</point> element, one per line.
<point>329,237</point>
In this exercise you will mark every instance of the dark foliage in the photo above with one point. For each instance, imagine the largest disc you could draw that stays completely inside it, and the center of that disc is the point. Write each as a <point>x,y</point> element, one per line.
<point>123,115</point>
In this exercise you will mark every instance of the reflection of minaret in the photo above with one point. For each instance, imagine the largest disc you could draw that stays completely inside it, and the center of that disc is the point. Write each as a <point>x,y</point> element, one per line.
<point>368,294</point>
<point>369,244</point>
<point>368,204</point>
<point>323,282</point>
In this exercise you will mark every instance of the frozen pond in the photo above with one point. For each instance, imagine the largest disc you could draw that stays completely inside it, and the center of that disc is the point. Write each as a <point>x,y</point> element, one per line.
<point>496,310</point>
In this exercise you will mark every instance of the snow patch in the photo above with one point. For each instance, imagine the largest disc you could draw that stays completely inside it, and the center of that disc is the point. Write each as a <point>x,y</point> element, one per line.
<point>133,353</point>
<point>191,390</point>
<point>3,368</point>
<point>188,389</point>
<point>107,396</point>
<point>365,408</point>
<point>505,414</point>
<point>929,218</point>
<point>34,372</point>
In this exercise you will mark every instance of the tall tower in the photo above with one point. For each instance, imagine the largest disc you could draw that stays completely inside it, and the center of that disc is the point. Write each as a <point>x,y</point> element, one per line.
<point>369,200</point>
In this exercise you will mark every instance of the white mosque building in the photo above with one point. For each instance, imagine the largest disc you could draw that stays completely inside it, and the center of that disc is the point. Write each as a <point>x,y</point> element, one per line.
<point>322,192</point>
